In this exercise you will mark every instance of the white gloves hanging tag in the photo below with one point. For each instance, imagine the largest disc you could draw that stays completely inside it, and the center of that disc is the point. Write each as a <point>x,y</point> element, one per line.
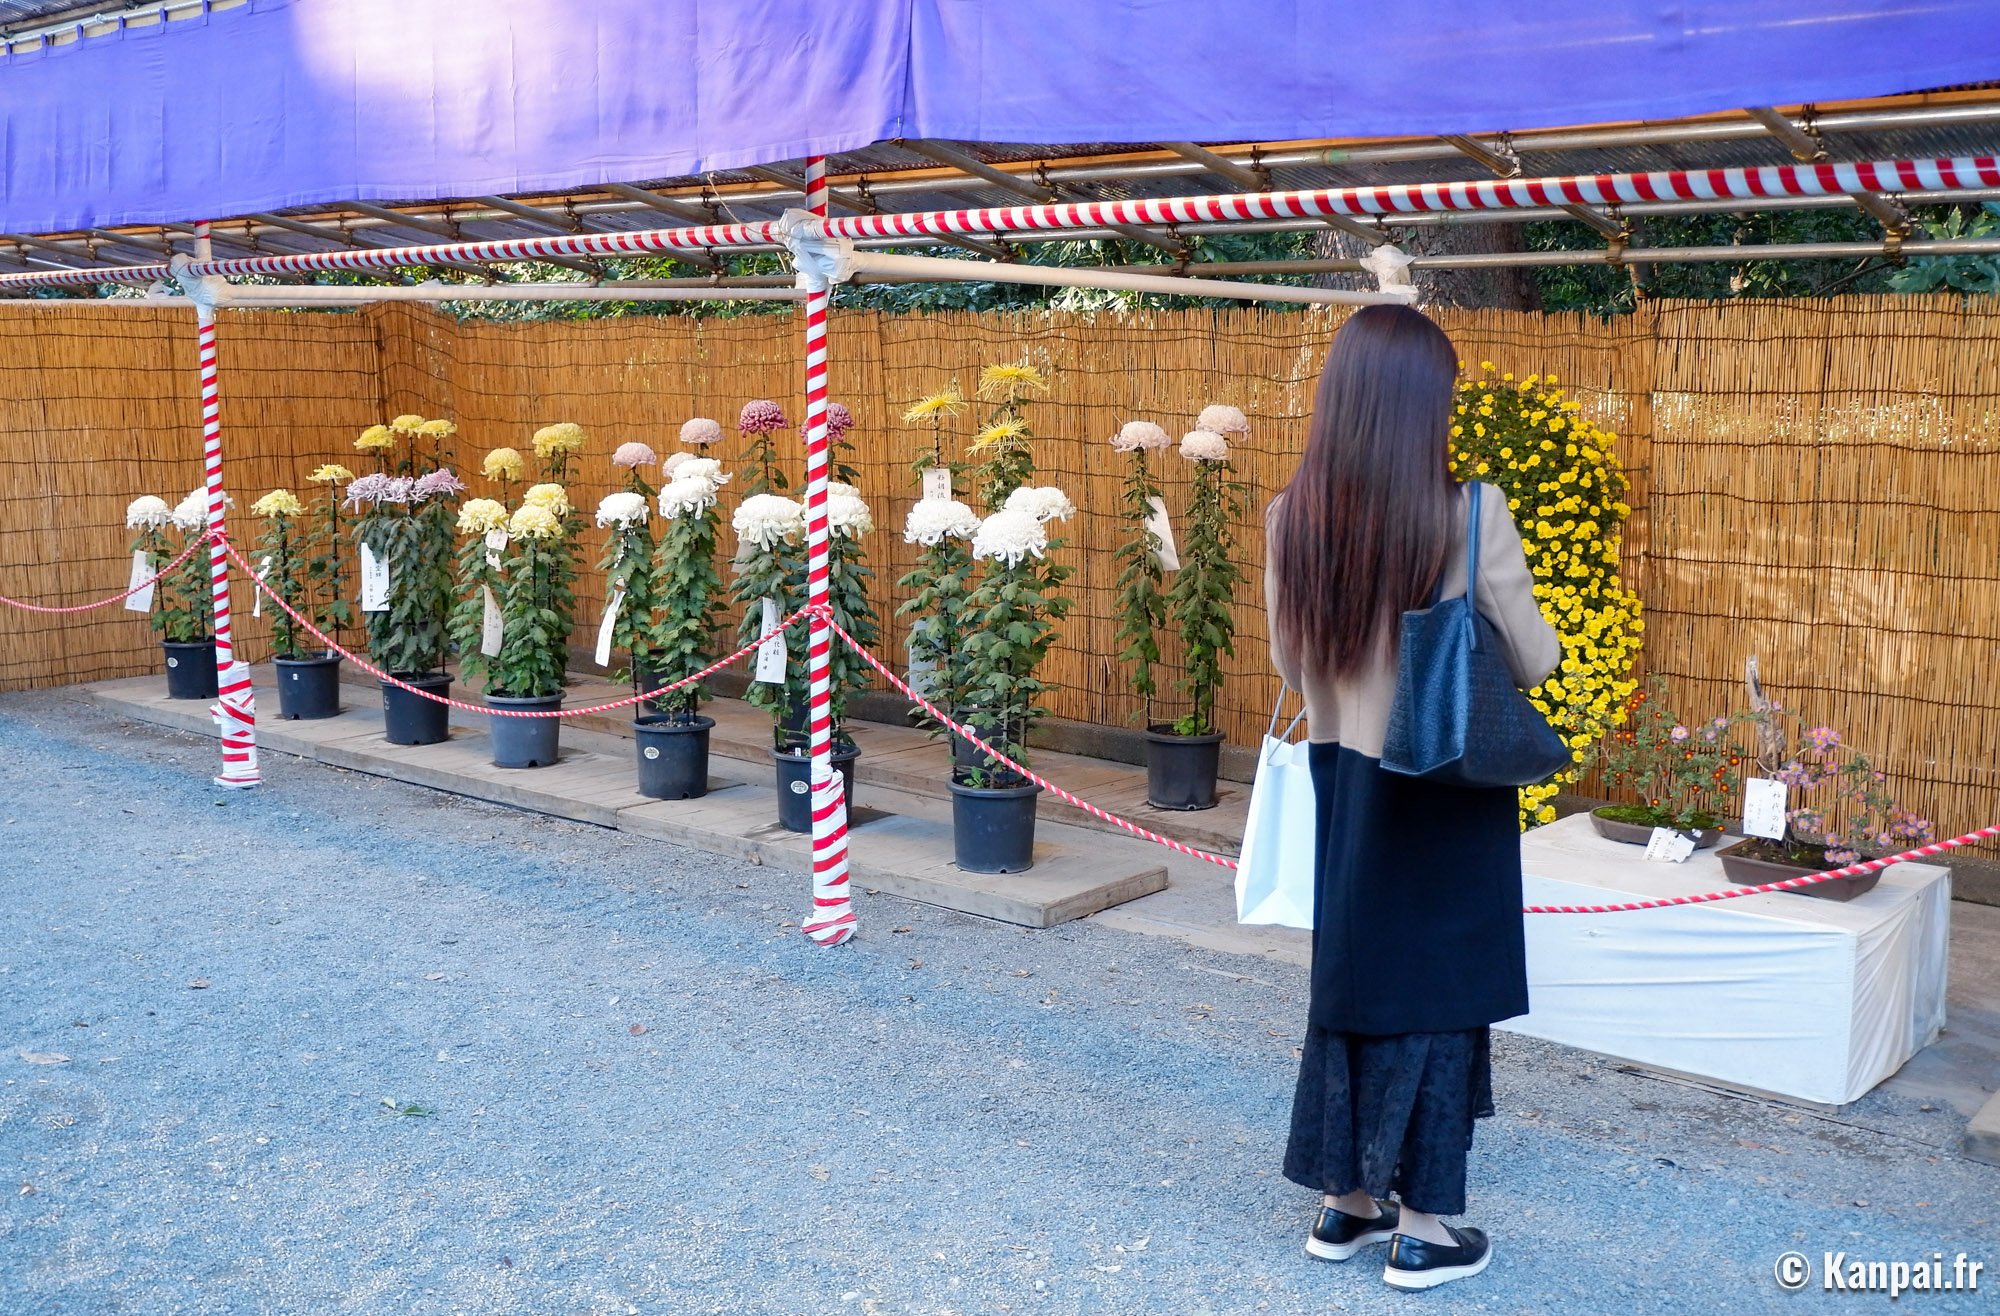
<point>771,653</point>
<point>1163,530</point>
<point>142,567</point>
<point>606,627</point>
<point>492,627</point>
<point>374,581</point>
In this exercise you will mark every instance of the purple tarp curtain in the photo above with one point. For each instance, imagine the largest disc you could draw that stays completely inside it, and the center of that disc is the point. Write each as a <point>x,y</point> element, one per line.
<point>293,102</point>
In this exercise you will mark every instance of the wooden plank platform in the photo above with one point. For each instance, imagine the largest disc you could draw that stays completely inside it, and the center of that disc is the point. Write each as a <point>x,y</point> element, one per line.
<point>900,838</point>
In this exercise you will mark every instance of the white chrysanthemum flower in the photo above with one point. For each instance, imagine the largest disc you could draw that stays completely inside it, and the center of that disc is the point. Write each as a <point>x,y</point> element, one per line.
<point>1204,446</point>
<point>680,498</point>
<point>700,432</point>
<point>934,520</point>
<point>480,516</point>
<point>623,510</point>
<point>1140,436</point>
<point>551,496</point>
<point>698,468</point>
<point>192,514</point>
<point>767,520</point>
<point>847,514</point>
<point>148,513</point>
<point>1044,502</point>
<point>1011,536</point>
<point>1219,419</point>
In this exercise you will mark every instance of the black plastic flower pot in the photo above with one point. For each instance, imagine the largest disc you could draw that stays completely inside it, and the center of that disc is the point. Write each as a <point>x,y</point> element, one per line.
<point>993,827</point>
<point>524,742</point>
<point>308,688</point>
<point>795,783</point>
<point>795,726</point>
<point>1180,770</point>
<point>190,669</point>
<point>409,719</point>
<point>673,757</point>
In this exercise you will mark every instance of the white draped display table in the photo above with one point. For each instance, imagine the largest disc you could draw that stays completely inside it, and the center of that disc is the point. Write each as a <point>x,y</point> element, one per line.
<point>1778,994</point>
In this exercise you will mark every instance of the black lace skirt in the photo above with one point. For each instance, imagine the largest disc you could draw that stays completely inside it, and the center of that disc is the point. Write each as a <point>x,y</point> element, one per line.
<point>1392,1112</point>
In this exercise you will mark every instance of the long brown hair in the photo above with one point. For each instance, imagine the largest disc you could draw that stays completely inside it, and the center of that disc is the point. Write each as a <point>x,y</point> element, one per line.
<point>1362,531</point>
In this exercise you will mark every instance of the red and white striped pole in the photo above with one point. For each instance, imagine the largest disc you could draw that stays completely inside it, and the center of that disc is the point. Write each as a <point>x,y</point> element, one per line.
<point>236,709</point>
<point>832,919</point>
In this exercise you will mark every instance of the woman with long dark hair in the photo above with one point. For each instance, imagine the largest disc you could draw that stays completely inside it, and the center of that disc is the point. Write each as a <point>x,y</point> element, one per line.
<point>1417,940</point>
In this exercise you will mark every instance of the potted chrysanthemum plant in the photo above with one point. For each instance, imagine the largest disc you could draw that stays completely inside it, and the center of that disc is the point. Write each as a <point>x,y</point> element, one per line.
<point>1183,756</point>
<point>757,422</point>
<point>309,677</point>
<point>285,547</point>
<point>1141,606</point>
<point>1686,774</point>
<point>677,637</point>
<point>184,609</point>
<point>942,527</point>
<point>514,593</point>
<point>1014,609</point>
<point>403,527</point>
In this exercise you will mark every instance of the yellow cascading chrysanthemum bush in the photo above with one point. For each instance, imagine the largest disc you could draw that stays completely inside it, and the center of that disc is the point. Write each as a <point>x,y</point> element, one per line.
<point>1566,487</point>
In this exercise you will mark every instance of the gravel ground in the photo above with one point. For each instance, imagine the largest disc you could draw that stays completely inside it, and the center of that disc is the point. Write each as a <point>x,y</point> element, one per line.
<point>346,1045</point>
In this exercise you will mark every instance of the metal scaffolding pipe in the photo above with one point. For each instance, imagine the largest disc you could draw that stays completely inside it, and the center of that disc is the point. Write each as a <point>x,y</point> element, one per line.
<point>1127,278</point>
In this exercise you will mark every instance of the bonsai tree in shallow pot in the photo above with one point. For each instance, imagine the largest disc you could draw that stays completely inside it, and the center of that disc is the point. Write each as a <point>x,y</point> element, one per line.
<point>183,615</point>
<point>1686,775</point>
<point>291,549</point>
<point>1850,815</point>
<point>675,636</point>
<point>405,511</point>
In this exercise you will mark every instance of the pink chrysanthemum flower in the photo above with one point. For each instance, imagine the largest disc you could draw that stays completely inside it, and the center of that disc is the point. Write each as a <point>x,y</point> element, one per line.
<point>701,431</point>
<point>760,417</point>
<point>633,455</point>
<point>839,420</point>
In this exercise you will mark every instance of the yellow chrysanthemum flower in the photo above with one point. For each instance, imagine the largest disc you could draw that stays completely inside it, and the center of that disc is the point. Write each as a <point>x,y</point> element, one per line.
<point>278,502</point>
<point>375,438</point>
<point>558,439</point>
<point>948,403</point>
<point>532,521</point>
<point>998,382</point>
<point>478,516</point>
<point>331,473</point>
<point>551,496</point>
<point>1000,431</point>
<point>503,464</point>
<point>407,423</point>
<point>437,429</point>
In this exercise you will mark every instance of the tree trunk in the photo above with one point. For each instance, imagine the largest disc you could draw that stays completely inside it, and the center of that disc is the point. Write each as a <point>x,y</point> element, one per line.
<point>1511,289</point>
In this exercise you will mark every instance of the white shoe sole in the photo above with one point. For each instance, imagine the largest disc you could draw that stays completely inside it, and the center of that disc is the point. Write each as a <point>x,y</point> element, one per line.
<point>1345,1251</point>
<point>1430,1279</point>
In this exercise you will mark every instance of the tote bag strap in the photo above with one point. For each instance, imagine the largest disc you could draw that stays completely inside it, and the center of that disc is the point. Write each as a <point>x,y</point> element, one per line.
<point>1472,563</point>
<point>1278,709</point>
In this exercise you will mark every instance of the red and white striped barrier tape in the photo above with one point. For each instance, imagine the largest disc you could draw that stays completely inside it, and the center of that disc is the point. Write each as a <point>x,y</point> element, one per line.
<point>145,584</point>
<point>375,671</point>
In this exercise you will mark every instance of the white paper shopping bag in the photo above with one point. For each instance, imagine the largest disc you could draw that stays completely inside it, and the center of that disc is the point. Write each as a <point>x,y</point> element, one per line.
<point>1277,871</point>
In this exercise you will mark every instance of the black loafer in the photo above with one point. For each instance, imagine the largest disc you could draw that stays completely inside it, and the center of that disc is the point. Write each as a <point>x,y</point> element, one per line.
<point>1338,1235</point>
<point>1416,1264</point>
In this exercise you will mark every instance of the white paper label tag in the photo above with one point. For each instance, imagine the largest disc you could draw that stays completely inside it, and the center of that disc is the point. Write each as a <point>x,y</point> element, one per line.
<point>492,627</point>
<point>771,653</point>
<point>607,626</point>
<point>1669,846</point>
<point>374,581</point>
<point>937,482</point>
<point>496,544</point>
<point>1764,808</point>
<point>257,595</point>
<point>142,567</point>
<point>1163,530</point>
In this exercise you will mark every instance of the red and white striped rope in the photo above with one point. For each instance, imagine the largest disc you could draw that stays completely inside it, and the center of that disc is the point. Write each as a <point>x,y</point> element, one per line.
<point>154,579</point>
<point>236,704</point>
<point>831,921</point>
<point>278,601</point>
<point>1905,176</point>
